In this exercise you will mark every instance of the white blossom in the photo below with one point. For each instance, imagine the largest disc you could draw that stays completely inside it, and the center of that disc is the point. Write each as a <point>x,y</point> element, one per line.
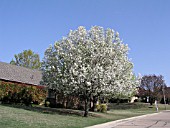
<point>93,61</point>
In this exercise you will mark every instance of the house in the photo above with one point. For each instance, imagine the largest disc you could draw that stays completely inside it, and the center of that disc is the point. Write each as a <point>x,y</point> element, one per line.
<point>18,74</point>
<point>16,79</point>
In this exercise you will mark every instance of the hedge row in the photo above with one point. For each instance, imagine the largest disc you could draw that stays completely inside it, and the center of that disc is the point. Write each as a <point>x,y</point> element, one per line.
<point>21,93</point>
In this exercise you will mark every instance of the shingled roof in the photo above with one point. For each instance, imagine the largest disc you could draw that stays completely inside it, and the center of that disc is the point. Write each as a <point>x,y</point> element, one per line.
<point>20,74</point>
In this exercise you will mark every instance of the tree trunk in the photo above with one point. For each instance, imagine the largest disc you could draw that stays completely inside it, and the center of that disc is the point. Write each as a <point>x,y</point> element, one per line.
<point>90,108</point>
<point>118,101</point>
<point>86,109</point>
<point>94,103</point>
<point>150,100</point>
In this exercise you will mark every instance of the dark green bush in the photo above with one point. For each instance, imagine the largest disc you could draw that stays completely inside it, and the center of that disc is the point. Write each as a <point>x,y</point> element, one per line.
<point>21,93</point>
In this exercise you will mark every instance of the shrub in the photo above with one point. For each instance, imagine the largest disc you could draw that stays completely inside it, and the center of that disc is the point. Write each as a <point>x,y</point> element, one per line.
<point>103,108</point>
<point>21,93</point>
<point>97,107</point>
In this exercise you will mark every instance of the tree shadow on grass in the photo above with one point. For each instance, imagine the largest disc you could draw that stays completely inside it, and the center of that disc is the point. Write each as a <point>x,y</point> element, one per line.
<point>47,110</point>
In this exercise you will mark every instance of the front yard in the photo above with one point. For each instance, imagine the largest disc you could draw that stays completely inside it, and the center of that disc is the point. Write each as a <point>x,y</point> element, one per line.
<point>11,117</point>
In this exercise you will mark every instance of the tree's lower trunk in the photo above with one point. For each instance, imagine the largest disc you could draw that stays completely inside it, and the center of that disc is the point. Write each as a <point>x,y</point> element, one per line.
<point>86,109</point>
<point>91,105</point>
<point>64,103</point>
<point>151,100</point>
<point>118,101</point>
<point>94,103</point>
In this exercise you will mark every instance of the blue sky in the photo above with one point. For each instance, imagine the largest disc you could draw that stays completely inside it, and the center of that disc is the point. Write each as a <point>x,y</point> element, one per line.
<point>143,24</point>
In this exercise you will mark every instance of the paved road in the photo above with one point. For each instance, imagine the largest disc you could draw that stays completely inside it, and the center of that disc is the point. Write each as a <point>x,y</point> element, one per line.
<point>158,120</point>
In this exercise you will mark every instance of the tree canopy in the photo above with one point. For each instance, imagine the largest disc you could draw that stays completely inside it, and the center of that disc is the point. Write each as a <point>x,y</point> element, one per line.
<point>27,59</point>
<point>151,86</point>
<point>89,63</point>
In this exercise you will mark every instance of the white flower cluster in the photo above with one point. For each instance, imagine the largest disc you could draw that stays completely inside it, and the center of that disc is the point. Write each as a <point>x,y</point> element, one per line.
<point>92,62</point>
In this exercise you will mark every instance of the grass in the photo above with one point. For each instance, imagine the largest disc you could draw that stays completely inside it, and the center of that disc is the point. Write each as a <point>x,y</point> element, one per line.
<point>12,117</point>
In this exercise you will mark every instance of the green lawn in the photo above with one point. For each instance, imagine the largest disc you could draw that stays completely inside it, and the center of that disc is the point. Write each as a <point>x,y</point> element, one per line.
<point>11,117</point>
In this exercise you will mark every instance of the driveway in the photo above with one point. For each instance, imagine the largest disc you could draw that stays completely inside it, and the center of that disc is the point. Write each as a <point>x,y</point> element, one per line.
<point>157,120</point>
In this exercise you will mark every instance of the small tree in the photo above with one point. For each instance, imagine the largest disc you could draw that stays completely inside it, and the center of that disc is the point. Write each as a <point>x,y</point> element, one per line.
<point>88,64</point>
<point>27,59</point>
<point>151,86</point>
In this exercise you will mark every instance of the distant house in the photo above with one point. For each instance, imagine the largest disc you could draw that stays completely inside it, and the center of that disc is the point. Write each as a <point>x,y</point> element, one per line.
<point>18,74</point>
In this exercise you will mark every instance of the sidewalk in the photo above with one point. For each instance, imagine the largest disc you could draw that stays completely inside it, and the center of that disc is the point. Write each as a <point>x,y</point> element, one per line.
<point>158,120</point>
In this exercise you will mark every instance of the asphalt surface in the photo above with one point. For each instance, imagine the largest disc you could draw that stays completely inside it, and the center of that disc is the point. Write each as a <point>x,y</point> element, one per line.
<point>157,120</point>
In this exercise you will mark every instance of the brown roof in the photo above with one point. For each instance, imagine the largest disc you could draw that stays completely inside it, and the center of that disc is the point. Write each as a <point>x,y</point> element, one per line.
<point>19,74</point>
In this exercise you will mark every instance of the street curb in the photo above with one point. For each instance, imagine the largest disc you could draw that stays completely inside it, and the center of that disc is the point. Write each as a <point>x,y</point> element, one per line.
<point>117,122</point>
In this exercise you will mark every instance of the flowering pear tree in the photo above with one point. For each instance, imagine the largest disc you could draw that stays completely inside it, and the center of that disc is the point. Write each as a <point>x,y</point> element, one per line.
<point>89,63</point>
